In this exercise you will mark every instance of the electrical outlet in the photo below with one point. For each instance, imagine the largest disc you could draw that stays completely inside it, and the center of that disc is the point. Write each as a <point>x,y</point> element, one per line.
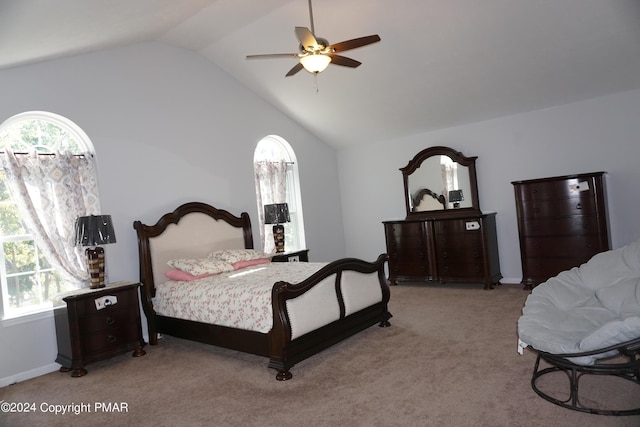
<point>472,225</point>
<point>105,301</point>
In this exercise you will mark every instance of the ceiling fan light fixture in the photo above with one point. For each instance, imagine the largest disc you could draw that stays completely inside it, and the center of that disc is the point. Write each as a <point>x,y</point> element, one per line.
<point>315,63</point>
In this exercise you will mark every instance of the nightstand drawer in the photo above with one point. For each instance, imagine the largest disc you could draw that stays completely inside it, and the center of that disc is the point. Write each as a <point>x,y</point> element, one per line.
<point>125,298</point>
<point>110,319</point>
<point>107,341</point>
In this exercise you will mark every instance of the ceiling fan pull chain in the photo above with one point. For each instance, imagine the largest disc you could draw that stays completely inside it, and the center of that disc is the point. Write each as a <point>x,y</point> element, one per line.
<point>315,82</point>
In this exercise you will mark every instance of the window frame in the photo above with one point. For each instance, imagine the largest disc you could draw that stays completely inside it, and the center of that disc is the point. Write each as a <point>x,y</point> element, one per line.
<point>83,144</point>
<point>294,230</point>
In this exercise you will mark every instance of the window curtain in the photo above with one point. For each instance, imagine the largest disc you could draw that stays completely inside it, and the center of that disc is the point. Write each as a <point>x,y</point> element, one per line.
<point>448,178</point>
<point>51,190</point>
<point>271,177</point>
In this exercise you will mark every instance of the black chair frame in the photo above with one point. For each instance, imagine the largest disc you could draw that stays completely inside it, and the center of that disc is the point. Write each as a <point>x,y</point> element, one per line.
<point>628,370</point>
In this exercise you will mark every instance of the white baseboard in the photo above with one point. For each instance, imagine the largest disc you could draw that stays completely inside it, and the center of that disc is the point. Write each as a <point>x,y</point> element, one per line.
<point>27,375</point>
<point>511,280</point>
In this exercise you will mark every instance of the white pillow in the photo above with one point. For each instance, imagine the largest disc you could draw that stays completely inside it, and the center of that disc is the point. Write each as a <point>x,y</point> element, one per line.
<point>234,255</point>
<point>200,266</point>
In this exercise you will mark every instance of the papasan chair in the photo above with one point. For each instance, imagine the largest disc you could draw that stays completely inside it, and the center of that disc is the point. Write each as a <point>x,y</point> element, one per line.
<point>586,321</point>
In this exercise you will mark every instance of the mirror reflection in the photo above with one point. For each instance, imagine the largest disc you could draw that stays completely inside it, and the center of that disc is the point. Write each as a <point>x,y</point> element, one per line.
<point>439,183</point>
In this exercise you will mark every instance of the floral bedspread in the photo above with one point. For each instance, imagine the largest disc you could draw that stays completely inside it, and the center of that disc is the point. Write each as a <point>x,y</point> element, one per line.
<point>239,299</point>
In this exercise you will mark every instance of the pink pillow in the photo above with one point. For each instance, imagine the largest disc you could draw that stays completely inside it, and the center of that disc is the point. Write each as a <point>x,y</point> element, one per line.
<point>183,276</point>
<point>242,264</point>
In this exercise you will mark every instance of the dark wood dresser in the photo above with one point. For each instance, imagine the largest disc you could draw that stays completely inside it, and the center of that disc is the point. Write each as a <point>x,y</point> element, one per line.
<point>98,324</point>
<point>562,223</point>
<point>463,249</point>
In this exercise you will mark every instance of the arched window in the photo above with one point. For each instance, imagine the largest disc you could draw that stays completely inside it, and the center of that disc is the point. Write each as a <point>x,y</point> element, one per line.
<point>276,175</point>
<point>47,178</point>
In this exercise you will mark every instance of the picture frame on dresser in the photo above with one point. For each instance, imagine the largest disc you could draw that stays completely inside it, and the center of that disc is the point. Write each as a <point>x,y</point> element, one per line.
<point>445,237</point>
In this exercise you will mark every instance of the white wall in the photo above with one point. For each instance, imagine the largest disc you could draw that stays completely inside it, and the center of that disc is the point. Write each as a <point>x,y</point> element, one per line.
<point>168,127</point>
<point>601,134</point>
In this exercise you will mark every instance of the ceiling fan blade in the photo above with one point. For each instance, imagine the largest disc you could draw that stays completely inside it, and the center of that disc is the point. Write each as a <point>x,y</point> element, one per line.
<point>273,55</point>
<point>344,61</point>
<point>294,70</point>
<point>306,38</point>
<point>354,43</point>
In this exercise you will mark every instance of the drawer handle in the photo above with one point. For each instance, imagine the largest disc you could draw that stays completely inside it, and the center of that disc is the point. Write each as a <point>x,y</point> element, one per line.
<point>111,339</point>
<point>444,254</point>
<point>579,206</point>
<point>109,321</point>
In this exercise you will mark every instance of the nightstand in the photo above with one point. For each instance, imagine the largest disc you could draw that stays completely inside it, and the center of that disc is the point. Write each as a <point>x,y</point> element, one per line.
<point>294,256</point>
<point>97,324</point>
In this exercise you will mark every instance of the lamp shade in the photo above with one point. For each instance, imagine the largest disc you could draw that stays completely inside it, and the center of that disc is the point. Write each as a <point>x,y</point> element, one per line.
<point>276,213</point>
<point>456,196</point>
<point>315,63</point>
<point>94,230</point>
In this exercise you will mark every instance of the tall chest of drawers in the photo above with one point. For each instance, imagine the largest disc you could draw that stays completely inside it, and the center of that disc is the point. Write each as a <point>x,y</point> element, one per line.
<point>562,223</point>
<point>463,249</point>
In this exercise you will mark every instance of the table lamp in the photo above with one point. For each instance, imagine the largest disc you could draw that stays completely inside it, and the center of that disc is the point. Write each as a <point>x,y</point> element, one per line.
<point>277,213</point>
<point>455,197</point>
<point>92,231</point>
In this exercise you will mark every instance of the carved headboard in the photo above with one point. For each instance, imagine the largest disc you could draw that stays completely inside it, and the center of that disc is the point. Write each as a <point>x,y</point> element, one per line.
<point>427,200</point>
<point>193,230</point>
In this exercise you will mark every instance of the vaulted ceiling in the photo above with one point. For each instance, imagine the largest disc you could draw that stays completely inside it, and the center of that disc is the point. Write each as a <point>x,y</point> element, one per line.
<point>440,63</point>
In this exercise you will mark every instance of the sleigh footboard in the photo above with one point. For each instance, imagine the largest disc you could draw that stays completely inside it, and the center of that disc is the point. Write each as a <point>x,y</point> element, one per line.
<point>340,300</point>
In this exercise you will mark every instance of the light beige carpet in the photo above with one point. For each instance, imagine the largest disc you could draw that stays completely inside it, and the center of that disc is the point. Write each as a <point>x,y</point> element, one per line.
<point>449,359</point>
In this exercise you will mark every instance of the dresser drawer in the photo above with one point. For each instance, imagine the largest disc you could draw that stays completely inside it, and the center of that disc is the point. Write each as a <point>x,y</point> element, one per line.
<point>541,269</point>
<point>559,208</point>
<point>568,226</point>
<point>468,239</point>
<point>571,246</point>
<point>583,187</point>
<point>460,255</point>
<point>471,270</point>
<point>407,255</point>
<point>405,241</point>
<point>406,235</point>
<point>408,269</point>
<point>535,191</point>
<point>458,226</point>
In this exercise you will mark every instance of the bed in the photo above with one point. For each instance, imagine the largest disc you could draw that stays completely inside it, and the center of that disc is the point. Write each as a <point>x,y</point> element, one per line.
<point>428,200</point>
<point>331,303</point>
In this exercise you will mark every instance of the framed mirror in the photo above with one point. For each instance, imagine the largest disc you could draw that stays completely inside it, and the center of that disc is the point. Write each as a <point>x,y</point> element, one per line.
<point>440,181</point>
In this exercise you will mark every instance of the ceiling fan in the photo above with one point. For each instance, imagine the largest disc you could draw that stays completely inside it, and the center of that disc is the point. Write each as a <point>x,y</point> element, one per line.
<point>316,53</point>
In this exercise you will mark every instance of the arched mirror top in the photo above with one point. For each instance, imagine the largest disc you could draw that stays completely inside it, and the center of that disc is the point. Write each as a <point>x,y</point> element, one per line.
<point>440,182</point>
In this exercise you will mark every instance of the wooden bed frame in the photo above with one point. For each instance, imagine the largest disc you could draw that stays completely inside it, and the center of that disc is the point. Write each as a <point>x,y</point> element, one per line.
<point>194,230</point>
